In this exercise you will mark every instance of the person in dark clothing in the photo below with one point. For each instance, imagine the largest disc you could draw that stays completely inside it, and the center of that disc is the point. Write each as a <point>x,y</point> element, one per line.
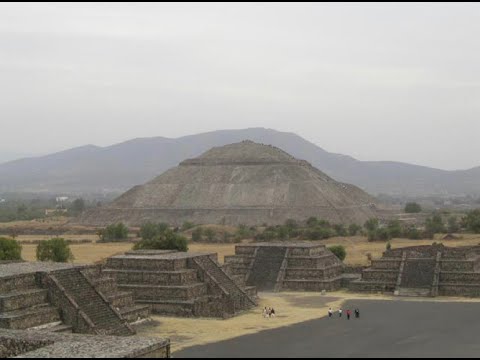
<point>348,314</point>
<point>357,313</point>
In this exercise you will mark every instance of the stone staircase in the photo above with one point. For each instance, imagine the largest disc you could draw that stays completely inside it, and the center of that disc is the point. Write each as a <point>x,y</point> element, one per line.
<point>242,300</point>
<point>24,305</point>
<point>106,319</point>
<point>266,266</point>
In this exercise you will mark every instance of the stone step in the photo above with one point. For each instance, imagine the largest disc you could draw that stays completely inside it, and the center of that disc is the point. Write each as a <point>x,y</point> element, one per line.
<point>22,299</point>
<point>149,292</point>
<point>331,284</point>
<point>28,318</point>
<point>135,312</point>
<point>145,277</point>
<point>170,307</point>
<point>372,286</point>
<point>121,299</point>
<point>413,292</point>
<point>17,283</point>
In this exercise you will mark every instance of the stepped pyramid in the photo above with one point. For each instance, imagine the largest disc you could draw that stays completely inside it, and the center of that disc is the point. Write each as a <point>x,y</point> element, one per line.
<point>241,183</point>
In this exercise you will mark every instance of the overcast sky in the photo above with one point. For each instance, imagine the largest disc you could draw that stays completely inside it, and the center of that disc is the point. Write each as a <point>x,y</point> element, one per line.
<point>378,82</point>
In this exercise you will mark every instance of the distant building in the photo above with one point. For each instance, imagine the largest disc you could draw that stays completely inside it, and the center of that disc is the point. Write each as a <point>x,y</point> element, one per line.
<point>61,198</point>
<point>53,211</point>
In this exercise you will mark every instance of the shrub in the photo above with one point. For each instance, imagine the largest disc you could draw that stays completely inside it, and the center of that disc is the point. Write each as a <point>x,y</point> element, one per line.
<point>453,225</point>
<point>209,234</point>
<point>113,232</point>
<point>340,230</point>
<point>197,234</point>
<point>10,249</point>
<point>395,228</point>
<point>371,225</point>
<point>434,225</point>
<point>472,221</point>
<point>187,225</point>
<point>412,207</point>
<point>354,229</point>
<point>388,246</point>
<point>339,251</point>
<point>55,249</point>
<point>167,240</point>
<point>412,233</point>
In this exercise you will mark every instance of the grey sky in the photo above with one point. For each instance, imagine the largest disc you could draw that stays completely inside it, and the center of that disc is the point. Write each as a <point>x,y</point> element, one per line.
<point>378,82</point>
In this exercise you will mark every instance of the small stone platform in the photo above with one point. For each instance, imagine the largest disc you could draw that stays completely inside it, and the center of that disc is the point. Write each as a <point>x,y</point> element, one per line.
<point>64,298</point>
<point>301,266</point>
<point>430,270</point>
<point>179,283</point>
<point>36,344</point>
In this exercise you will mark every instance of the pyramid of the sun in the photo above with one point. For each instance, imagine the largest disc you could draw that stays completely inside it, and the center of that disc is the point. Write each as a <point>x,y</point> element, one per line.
<point>242,183</point>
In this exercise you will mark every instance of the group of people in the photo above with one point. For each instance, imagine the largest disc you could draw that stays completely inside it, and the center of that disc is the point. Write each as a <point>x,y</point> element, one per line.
<point>268,312</point>
<point>348,312</point>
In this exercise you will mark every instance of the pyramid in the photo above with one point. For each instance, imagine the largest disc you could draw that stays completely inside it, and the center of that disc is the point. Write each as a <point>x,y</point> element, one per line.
<point>242,183</point>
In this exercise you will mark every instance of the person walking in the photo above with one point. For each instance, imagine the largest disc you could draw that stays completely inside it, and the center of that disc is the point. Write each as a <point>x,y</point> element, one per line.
<point>330,312</point>
<point>348,314</point>
<point>340,312</point>
<point>357,313</point>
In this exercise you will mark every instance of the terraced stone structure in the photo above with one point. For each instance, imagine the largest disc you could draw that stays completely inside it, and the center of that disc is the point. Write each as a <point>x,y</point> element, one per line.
<point>242,183</point>
<point>286,266</point>
<point>180,284</point>
<point>424,271</point>
<point>64,298</point>
<point>40,344</point>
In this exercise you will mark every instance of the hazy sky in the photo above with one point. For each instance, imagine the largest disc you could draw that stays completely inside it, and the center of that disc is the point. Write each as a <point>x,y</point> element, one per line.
<point>378,82</point>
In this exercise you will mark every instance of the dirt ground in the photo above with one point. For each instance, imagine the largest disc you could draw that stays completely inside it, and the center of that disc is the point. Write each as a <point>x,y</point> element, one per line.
<point>357,247</point>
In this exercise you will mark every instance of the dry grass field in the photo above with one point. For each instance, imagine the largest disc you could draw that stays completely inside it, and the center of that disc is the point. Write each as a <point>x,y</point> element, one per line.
<point>357,247</point>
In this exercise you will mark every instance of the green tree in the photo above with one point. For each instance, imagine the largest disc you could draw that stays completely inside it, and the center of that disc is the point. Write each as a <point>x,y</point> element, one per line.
<point>413,207</point>
<point>209,234</point>
<point>472,221</point>
<point>113,232</point>
<point>187,225</point>
<point>453,225</point>
<point>340,230</point>
<point>339,251</point>
<point>371,225</point>
<point>197,234</point>
<point>149,231</point>
<point>167,240</point>
<point>55,249</point>
<point>78,206</point>
<point>10,249</point>
<point>434,225</point>
<point>354,229</point>
<point>395,228</point>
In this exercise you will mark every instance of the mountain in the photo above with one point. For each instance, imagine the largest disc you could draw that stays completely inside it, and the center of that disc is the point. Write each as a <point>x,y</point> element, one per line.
<point>91,169</point>
<point>241,183</point>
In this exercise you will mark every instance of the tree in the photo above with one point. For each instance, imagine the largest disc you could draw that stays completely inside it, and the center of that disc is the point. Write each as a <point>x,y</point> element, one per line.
<point>434,225</point>
<point>339,251</point>
<point>166,240</point>
<point>55,249</point>
<point>209,234</point>
<point>187,225</point>
<point>472,221</point>
<point>312,221</point>
<point>412,207</point>
<point>78,206</point>
<point>197,234</point>
<point>148,231</point>
<point>395,228</point>
<point>354,229</point>
<point>113,232</point>
<point>388,246</point>
<point>453,225</point>
<point>340,230</point>
<point>10,249</point>
<point>371,225</point>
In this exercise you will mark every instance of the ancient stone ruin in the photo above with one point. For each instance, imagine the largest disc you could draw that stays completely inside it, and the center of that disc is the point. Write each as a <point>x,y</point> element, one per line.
<point>286,266</point>
<point>65,298</point>
<point>180,284</point>
<point>424,271</point>
<point>242,183</point>
<point>44,344</point>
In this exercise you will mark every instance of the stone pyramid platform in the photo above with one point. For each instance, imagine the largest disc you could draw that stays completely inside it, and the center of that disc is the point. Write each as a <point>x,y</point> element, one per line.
<point>179,284</point>
<point>286,266</point>
<point>63,298</point>
<point>424,271</point>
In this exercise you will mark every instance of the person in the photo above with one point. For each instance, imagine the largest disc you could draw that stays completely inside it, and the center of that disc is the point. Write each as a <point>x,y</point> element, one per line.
<point>272,312</point>
<point>265,312</point>
<point>348,314</point>
<point>340,312</point>
<point>330,312</point>
<point>357,313</point>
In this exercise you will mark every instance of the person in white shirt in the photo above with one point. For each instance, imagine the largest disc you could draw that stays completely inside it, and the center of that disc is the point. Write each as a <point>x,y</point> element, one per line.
<point>340,312</point>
